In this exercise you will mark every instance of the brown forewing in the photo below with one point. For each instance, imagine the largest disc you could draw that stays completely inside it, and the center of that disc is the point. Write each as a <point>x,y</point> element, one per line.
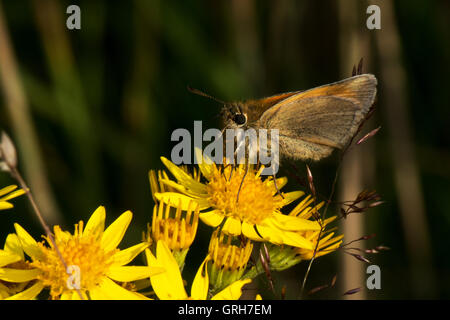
<point>313,122</point>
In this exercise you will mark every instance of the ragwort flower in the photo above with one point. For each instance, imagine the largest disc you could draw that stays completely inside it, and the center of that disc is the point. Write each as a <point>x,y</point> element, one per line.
<point>92,253</point>
<point>255,213</point>
<point>324,242</point>
<point>12,257</point>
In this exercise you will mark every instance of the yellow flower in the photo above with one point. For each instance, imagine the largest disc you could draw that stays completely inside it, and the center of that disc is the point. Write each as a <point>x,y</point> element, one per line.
<point>284,257</point>
<point>229,257</point>
<point>96,265</point>
<point>12,256</point>
<point>169,285</point>
<point>176,227</point>
<point>255,214</point>
<point>327,243</point>
<point>7,194</point>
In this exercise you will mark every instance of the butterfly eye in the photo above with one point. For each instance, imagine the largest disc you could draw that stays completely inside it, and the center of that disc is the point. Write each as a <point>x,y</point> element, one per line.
<point>239,118</point>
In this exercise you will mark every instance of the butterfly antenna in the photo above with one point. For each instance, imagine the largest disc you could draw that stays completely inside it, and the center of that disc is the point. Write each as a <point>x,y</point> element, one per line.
<point>201,93</point>
<point>358,71</point>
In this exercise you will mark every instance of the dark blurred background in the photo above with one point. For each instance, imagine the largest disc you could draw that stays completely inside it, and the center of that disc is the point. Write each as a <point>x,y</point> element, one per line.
<point>92,110</point>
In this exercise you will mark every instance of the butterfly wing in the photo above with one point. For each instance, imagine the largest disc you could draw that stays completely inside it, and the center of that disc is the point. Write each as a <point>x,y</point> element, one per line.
<point>314,122</point>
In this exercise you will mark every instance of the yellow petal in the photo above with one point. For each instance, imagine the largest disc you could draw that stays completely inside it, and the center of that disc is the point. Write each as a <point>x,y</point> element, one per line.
<point>18,275</point>
<point>115,232</point>
<point>291,196</point>
<point>178,199</point>
<point>200,286</point>
<point>28,294</point>
<point>184,178</point>
<point>29,245</point>
<point>109,290</point>
<point>12,245</point>
<point>278,236</point>
<point>67,295</point>
<point>232,226</point>
<point>62,235</point>
<point>212,218</point>
<point>73,295</point>
<point>272,235</point>
<point>96,223</point>
<point>296,240</point>
<point>232,292</point>
<point>5,205</point>
<point>124,257</point>
<point>301,206</point>
<point>132,273</point>
<point>8,257</point>
<point>13,195</point>
<point>291,223</point>
<point>205,164</point>
<point>326,243</point>
<point>98,294</point>
<point>181,188</point>
<point>167,285</point>
<point>281,182</point>
<point>249,231</point>
<point>325,238</point>
<point>7,190</point>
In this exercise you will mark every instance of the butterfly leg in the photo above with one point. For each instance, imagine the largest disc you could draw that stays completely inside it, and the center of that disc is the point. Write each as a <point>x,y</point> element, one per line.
<point>276,186</point>
<point>242,181</point>
<point>233,167</point>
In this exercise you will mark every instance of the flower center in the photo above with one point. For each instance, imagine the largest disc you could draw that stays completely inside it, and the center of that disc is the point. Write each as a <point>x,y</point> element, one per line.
<point>84,256</point>
<point>256,197</point>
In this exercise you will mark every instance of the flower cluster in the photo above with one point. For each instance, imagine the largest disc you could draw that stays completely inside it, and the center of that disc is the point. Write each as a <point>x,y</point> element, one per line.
<point>243,209</point>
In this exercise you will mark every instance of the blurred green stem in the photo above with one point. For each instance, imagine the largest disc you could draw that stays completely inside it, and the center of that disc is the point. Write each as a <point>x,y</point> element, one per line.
<point>353,45</point>
<point>408,185</point>
<point>17,105</point>
<point>75,116</point>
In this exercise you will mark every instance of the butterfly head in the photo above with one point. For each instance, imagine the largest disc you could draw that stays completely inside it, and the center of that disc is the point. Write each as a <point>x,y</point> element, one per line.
<point>233,116</point>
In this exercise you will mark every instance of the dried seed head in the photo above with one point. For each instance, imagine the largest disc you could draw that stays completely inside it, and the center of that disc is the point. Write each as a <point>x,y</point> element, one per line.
<point>375,204</point>
<point>311,181</point>
<point>369,135</point>
<point>360,66</point>
<point>352,291</point>
<point>333,281</point>
<point>317,289</point>
<point>8,151</point>
<point>370,236</point>
<point>4,166</point>
<point>358,71</point>
<point>359,257</point>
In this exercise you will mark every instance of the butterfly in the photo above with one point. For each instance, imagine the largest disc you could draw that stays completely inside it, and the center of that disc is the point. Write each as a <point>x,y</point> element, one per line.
<point>310,123</point>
